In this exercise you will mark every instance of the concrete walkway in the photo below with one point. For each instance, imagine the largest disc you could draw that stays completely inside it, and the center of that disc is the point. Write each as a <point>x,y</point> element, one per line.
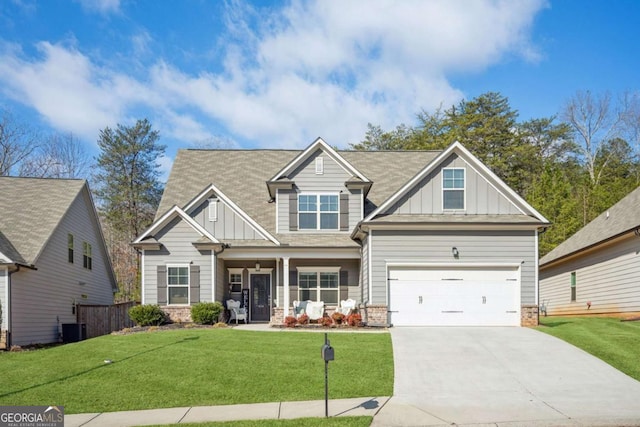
<point>368,406</point>
<point>503,377</point>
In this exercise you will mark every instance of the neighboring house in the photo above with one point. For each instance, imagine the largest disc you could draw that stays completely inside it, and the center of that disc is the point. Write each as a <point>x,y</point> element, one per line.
<point>415,237</point>
<point>597,270</point>
<point>52,257</point>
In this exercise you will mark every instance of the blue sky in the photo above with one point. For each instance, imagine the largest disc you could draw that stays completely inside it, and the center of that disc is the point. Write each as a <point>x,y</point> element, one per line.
<point>277,74</point>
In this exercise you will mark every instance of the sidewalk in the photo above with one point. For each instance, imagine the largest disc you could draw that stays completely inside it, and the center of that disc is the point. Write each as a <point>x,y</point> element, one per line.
<point>360,406</point>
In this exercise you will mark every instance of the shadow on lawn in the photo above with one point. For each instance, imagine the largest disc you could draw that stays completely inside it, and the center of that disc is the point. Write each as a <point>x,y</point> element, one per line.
<point>98,367</point>
<point>554,323</point>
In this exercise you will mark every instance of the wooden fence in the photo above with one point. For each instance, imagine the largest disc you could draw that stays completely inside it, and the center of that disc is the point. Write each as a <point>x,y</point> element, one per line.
<point>104,319</point>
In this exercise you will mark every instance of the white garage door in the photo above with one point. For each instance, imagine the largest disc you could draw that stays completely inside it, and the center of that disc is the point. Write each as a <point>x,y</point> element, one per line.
<point>458,296</point>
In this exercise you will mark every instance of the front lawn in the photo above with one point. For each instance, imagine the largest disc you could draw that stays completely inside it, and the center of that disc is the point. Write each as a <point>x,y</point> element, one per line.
<point>194,368</point>
<point>609,339</point>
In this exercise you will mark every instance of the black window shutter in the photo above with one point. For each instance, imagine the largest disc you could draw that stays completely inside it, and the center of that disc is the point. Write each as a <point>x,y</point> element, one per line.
<point>162,284</point>
<point>194,284</point>
<point>293,211</point>
<point>344,284</point>
<point>344,212</point>
<point>293,286</point>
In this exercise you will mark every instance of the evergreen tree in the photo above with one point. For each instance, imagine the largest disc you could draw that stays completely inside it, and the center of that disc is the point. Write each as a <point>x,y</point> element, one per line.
<point>127,181</point>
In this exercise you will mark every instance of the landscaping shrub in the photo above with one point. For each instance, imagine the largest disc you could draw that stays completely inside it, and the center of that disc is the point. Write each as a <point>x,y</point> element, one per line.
<point>326,321</point>
<point>303,319</point>
<point>147,314</point>
<point>206,313</point>
<point>290,321</point>
<point>338,317</point>
<point>354,319</point>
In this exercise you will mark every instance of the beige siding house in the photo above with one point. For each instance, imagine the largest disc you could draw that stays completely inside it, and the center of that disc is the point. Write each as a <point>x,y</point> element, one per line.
<point>597,270</point>
<point>52,257</point>
<point>414,237</point>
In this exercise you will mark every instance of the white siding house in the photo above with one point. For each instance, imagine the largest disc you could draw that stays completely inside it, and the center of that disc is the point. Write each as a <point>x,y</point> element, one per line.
<point>52,257</point>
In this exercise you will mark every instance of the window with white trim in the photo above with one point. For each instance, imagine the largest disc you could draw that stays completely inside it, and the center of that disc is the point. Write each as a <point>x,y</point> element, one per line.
<point>319,284</point>
<point>87,257</point>
<point>453,187</point>
<point>70,248</point>
<point>318,211</point>
<point>235,280</point>
<point>178,285</point>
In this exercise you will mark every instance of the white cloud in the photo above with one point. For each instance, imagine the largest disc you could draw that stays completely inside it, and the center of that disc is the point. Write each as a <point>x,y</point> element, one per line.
<point>317,68</point>
<point>100,6</point>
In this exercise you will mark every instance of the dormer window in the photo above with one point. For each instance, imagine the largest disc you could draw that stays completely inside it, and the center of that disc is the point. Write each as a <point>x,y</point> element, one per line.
<point>453,186</point>
<point>319,165</point>
<point>318,211</point>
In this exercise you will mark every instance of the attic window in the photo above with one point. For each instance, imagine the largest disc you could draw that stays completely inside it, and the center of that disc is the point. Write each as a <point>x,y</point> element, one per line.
<point>319,165</point>
<point>213,209</point>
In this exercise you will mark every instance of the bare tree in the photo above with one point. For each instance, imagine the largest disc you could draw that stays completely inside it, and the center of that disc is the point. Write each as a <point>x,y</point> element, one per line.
<point>17,142</point>
<point>595,122</point>
<point>59,156</point>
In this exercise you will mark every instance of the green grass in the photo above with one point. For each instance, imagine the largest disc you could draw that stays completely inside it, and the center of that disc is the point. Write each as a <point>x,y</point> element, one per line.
<point>303,422</point>
<point>609,339</point>
<point>194,368</point>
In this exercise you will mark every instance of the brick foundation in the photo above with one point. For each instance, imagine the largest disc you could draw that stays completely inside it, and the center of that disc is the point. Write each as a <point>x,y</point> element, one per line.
<point>375,315</point>
<point>178,314</point>
<point>3,340</point>
<point>529,315</point>
<point>277,318</point>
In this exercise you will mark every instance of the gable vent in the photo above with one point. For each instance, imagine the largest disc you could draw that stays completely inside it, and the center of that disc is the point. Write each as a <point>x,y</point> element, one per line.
<point>319,165</point>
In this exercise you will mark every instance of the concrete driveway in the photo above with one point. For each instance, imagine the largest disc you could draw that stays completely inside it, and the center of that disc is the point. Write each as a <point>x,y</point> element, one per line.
<point>502,376</point>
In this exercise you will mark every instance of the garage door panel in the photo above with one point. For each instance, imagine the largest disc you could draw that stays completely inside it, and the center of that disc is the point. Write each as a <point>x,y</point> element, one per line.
<point>454,297</point>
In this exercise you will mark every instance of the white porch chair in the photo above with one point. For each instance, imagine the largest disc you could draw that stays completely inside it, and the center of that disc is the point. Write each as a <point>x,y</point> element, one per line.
<point>236,312</point>
<point>299,308</point>
<point>346,306</point>
<point>315,310</point>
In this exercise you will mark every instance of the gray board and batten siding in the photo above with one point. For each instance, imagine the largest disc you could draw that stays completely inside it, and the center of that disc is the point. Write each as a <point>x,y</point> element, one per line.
<point>332,180</point>
<point>227,225</point>
<point>607,277</point>
<point>482,198</point>
<point>434,246</point>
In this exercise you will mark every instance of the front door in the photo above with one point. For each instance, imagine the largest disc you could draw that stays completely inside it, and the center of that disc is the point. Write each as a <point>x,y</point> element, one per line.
<point>260,285</point>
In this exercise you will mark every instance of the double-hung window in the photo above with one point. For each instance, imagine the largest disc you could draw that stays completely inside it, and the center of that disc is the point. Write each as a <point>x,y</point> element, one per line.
<point>319,284</point>
<point>70,248</point>
<point>573,286</point>
<point>178,284</point>
<point>318,211</point>
<point>453,187</point>
<point>87,257</point>
<point>235,280</point>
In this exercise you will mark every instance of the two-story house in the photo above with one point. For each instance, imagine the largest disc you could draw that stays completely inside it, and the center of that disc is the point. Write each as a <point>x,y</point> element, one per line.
<point>52,257</point>
<point>415,237</point>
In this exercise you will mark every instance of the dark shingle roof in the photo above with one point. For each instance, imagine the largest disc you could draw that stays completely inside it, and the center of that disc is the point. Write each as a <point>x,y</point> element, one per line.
<point>30,210</point>
<point>620,218</point>
<point>242,175</point>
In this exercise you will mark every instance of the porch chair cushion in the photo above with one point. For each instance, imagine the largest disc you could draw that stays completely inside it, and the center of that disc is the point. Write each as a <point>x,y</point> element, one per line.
<point>299,308</point>
<point>315,310</point>
<point>346,306</point>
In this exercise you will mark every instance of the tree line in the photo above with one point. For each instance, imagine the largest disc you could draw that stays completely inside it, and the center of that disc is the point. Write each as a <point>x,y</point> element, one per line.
<point>570,167</point>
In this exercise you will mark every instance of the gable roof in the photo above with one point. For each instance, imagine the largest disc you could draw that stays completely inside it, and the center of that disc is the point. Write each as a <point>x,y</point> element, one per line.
<point>619,219</point>
<point>473,161</point>
<point>241,176</point>
<point>30,211</point>
<point>319,144</point>
<point>175,212</point>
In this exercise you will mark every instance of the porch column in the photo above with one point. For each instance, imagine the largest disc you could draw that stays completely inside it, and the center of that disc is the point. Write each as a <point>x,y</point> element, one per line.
<point>285,274</point>
<point>277,304</point>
